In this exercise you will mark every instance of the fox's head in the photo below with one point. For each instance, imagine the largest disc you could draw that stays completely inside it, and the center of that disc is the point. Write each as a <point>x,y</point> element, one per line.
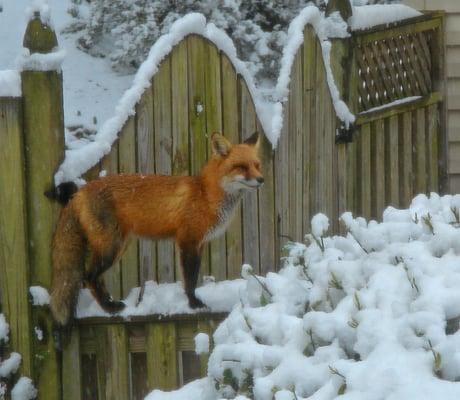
<point>238,165</point>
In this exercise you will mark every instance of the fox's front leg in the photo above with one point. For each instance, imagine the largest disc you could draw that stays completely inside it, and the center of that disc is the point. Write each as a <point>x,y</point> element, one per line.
<point>190,264</point>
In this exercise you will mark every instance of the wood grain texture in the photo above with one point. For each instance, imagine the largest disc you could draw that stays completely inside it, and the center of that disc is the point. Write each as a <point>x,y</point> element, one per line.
<point>117,363</point>
<point>251,249</point>
<point>112,277</point>
<point>230,127</point>
<point>180,121</point>
<point>197,119</point>
<point>127,163</point>
<point>213,108</point>
<point>14,257</point>
<point>146,164</point>
<point>162,110</point>
<point>161,356</point>
<point>71,368</point>
<point>43,134</point>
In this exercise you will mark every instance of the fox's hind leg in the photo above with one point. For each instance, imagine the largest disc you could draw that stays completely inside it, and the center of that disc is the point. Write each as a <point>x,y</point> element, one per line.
<point>98,265</point>
<point>106,242</point>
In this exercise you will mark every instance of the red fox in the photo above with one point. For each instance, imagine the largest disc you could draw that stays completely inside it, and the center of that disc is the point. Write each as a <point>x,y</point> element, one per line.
<point>101,216</point>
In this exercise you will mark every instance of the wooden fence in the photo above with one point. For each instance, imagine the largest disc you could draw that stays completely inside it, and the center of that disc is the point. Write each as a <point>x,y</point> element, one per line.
<point>390,154</point>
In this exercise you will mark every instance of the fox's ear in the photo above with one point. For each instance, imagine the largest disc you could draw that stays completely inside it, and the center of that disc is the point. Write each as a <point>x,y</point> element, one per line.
<point>253,140</point>
<point>220,145</point>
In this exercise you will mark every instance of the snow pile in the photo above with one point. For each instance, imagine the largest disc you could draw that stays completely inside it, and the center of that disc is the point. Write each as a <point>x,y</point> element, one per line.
<point>10,83</point>
<point>370,315</point>
<point>167,299</point>
<point>40,296</point>
<point>365,17</point>
<point>28,61</point>
<point>201,343</point>
<point>24,388</point>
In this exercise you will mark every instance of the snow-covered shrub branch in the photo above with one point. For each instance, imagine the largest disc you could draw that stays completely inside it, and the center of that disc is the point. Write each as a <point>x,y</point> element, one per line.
<point>373,314</point>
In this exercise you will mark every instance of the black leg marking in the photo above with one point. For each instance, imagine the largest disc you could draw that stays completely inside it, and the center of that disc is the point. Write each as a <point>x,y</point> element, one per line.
<point>190,269</point>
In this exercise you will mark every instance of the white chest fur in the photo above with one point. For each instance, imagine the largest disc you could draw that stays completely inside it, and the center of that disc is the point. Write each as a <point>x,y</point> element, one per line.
<point>224,216</point>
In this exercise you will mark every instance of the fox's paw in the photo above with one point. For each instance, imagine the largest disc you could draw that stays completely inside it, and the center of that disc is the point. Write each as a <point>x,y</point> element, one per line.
<point>113,307</point>
<point>195,303</point>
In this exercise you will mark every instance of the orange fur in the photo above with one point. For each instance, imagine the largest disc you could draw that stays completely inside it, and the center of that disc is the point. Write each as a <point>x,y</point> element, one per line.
<point>189,209</point>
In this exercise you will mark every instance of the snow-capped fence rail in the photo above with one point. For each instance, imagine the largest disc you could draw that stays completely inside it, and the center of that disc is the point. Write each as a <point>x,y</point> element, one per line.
<point>390,77</point>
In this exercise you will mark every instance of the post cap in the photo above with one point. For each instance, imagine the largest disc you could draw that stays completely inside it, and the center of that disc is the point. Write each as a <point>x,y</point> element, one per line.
<point>342,6</point>
<point>39,36</point>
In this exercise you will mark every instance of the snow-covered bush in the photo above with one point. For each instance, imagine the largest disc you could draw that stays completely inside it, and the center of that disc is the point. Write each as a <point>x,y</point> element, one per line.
<point>23,389</point>
<point>373,314</point>
<point>125,30</point>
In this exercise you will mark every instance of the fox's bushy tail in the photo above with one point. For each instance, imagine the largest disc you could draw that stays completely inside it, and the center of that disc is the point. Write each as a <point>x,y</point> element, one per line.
<point>69,245</point>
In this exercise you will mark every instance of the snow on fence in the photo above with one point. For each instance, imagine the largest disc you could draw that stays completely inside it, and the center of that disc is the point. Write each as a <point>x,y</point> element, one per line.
<point>391,77</point>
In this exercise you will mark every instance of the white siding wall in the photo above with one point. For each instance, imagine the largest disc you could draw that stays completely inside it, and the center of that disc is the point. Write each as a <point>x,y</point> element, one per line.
<point>452,8</point>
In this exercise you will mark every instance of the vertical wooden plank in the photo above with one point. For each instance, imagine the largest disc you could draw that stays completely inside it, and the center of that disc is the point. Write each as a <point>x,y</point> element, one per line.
<point>405,162</point>
<point>342,180</point>
<point>391,161</point>
<point>146,164</point>
<point>112,277</point>
<point>14,259</point>
<point>117,363</point>
<point>127,164</point>
<point>419,150</point>
<point>351,189</point>
<point>163,156</point>
<point>320,189</point>
<point>267,207</point>
<point>282,187</point>
<point>295,148</point>
<point>250,198</point>
<point>230,122</point>
<point>438,78</point>
<point>432,146</point>
<point>378,168</point>
<point>365,162</point>
<point>100,336</point>
<point>161,355</point>
<point>71,368</point>
<point>213,102</point>
<point>197,117</point>
<point>139,385</point>
<point>89,377</point>
<point>309,76</point>
<point>180,121</point>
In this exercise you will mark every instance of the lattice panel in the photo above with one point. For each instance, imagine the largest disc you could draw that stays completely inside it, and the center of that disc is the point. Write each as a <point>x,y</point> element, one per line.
<point>394,68</point>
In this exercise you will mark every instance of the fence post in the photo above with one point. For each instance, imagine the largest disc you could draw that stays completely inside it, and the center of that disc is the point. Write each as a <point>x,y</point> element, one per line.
<point>44,144</point>
<point>14,262</point>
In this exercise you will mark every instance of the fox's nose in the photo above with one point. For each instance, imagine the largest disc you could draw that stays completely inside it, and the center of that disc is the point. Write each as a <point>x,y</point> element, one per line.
<point>260,179</point>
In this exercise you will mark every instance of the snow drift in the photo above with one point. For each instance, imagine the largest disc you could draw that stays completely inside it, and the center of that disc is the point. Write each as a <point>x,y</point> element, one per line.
<point>373,314</point>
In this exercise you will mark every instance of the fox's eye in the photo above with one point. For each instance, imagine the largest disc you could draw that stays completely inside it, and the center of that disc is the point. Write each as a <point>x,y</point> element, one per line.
<point>257,165</point>
<point>241,167</point>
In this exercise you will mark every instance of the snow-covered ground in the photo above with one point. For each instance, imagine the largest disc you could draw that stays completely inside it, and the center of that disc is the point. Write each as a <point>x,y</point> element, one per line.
<point>91,87</point>
<point>370,315</point>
